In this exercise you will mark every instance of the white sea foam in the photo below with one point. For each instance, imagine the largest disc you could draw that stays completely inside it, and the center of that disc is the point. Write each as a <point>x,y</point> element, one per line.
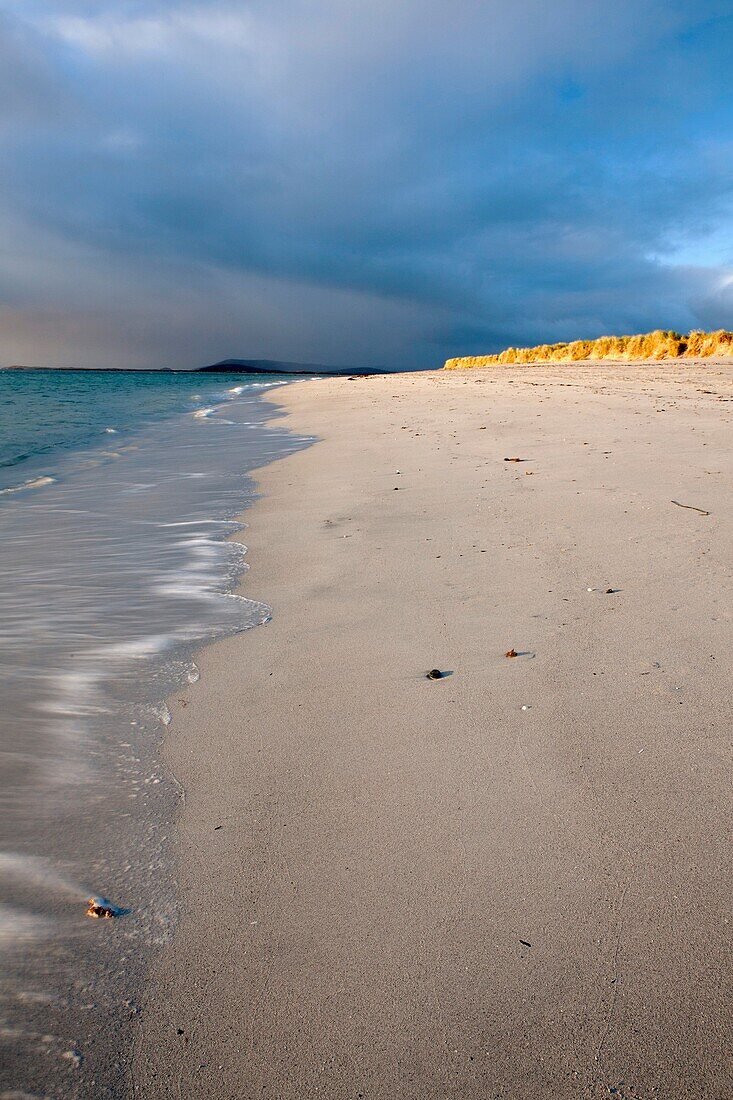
<point>202,414</point>
<point>77,692</point>
<point>162,713</point>
<point>36,871</point>
<point>33,483</point>
<point>18,926</point>
<point>135,649</point>
<point>198,578</point>
<point>201,522</point>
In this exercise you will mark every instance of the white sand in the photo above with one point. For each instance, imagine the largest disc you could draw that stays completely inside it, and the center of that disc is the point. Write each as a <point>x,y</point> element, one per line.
<point>355,927</point>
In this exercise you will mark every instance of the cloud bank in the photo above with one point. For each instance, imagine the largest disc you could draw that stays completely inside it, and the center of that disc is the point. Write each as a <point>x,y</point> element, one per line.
<point>359,182</point>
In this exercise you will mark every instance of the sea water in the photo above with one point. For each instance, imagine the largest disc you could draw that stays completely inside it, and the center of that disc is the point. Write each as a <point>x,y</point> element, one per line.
<point>119,494</point>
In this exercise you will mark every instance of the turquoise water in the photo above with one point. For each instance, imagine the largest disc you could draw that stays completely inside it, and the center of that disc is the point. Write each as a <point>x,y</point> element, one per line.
<point>46,413</point>
<point>119,497</point>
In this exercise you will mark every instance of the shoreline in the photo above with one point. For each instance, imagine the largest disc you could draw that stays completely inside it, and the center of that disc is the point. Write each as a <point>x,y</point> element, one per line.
<point>117,573</point>
<point>366,857</point>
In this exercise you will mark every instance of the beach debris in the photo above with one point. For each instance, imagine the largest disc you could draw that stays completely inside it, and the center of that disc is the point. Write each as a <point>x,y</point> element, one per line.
<point>610,591</point>
<point>515,459</point>
<point>102,909</point>
<point>525,943</point>
<point>526,706</point>
<point>511,653</point>
<point>691,507</point>
<point>434,674</point>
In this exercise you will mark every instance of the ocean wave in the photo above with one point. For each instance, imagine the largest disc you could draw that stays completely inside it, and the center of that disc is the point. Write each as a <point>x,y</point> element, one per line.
<point>208,414</point>
<point>100,628</point>
<point>32,483</point>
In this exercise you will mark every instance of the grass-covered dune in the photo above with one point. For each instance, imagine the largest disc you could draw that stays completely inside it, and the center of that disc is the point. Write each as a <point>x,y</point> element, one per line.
<point>650,345</point>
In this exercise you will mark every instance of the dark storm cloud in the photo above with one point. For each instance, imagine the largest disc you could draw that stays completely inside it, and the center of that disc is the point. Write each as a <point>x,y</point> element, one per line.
<point>368,182</point>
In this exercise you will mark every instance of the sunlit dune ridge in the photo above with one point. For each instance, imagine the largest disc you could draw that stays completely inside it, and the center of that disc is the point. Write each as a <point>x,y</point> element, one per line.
<point>650,345</point>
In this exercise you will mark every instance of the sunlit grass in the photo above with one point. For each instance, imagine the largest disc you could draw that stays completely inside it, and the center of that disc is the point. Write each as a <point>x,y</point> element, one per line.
<point>660,344</point>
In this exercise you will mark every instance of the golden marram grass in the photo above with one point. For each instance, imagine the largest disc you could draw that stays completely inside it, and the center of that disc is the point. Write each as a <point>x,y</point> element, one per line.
<point>660,344</point>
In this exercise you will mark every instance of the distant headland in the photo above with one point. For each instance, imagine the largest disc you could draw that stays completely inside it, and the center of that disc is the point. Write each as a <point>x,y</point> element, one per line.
<point>661,344</point>
<point>274,366</point>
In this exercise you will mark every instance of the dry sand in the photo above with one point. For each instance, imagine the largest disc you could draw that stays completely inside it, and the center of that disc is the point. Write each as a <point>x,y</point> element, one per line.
<point>394,888</point>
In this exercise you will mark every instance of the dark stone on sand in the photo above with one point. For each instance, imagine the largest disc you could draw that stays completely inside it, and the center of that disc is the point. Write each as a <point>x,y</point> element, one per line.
<point>434,674</point>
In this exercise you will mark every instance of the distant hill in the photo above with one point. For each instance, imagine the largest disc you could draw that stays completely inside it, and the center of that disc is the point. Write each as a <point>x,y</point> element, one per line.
<point>660,344</point>
<point>274,366</point>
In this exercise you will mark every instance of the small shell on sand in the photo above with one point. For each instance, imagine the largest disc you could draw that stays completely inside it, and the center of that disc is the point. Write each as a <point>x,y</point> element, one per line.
<point>101,909</point>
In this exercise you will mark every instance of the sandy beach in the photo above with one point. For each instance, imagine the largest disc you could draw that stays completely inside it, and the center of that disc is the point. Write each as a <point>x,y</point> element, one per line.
<point>512,882</point>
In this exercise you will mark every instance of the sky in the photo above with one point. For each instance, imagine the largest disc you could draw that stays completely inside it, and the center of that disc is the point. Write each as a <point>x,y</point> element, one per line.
<point>361,182</point>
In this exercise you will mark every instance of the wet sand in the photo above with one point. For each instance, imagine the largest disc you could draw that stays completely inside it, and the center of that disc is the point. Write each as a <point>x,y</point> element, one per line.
<point>512,882</point>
